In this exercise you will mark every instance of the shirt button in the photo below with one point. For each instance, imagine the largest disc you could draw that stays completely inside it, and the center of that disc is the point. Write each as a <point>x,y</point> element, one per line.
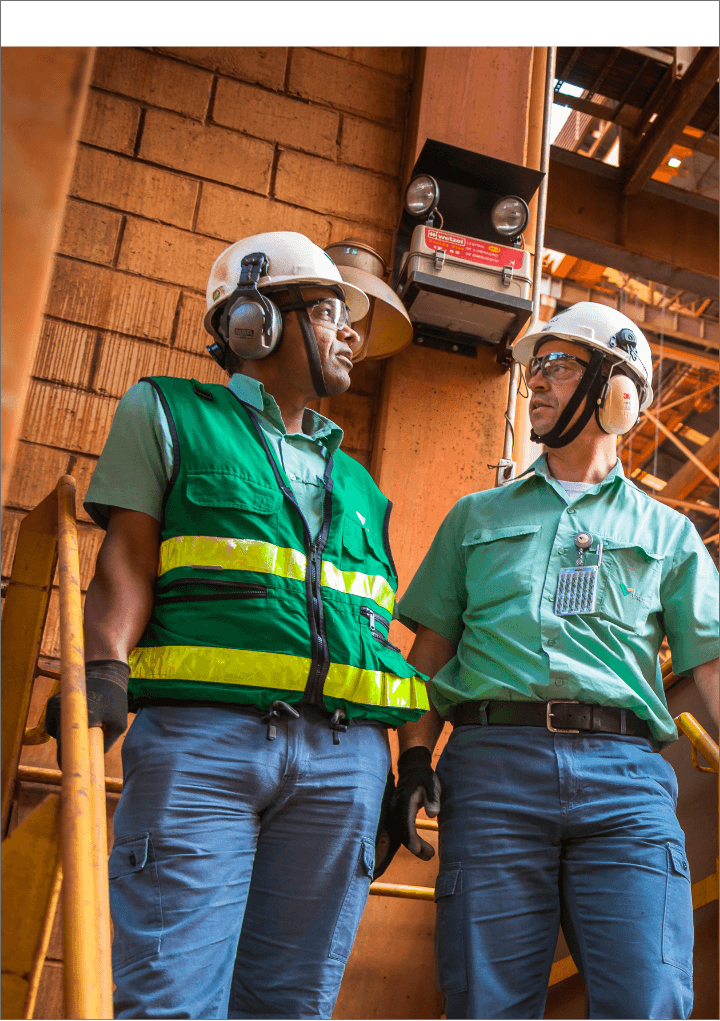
<point>571,510</point>
<point>559,683</point>
<point>560,549</point>
<point>551,641</point>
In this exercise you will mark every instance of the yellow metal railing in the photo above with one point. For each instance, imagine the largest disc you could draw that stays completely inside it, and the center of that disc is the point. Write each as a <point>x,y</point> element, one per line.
<point>37,859</point>
<point>700,741</point>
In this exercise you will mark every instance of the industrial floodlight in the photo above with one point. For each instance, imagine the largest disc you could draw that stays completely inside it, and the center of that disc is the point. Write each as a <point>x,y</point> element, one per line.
<point>510,216</point>
<point>421,196</point>
<point>674,162</point>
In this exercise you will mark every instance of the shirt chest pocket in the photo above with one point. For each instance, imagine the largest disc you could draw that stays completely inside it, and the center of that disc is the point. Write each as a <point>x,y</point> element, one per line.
<point>628,582</point>
<point>499,563</point>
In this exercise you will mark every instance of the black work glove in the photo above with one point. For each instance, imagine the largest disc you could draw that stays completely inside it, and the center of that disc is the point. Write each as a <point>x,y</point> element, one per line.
<point>106,681</point>
<point>387,839</point>
<point>417,787</point>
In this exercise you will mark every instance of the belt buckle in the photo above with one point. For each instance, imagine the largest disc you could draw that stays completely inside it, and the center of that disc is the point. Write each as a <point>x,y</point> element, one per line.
<point>548,715</point>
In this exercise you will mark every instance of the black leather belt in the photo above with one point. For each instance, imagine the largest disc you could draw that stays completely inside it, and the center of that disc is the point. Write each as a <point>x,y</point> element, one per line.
<point>559,716</point>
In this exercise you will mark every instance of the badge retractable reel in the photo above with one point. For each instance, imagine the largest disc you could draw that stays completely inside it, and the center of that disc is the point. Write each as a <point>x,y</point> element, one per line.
<point>577,586</point>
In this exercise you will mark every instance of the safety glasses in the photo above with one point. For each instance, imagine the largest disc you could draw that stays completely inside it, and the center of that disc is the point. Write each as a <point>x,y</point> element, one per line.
<point>329,312</point>
<point>557,365</point>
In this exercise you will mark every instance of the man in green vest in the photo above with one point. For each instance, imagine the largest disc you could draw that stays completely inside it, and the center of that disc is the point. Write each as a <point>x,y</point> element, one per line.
<point>244,588</point>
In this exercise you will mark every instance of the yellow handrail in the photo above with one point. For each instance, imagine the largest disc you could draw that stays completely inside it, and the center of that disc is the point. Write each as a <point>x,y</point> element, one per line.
<point>701,742</point>
<point>86,912</point>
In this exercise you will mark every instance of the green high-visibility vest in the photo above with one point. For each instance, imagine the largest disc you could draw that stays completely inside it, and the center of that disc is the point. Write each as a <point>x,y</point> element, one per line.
<point>246,604</point>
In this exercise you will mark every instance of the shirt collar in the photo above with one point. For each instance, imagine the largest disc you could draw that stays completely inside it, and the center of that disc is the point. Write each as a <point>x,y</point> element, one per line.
<point>540,468</point>
<point>315,426</point>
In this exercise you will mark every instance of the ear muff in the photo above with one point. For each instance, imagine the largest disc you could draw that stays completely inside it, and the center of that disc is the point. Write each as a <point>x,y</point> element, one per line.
<point>618,406</point>
<point>250,323</point>
<point>253,328</point>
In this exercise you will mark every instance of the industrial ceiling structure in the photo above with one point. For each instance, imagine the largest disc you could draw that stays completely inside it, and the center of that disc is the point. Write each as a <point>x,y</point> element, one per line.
<point>633,222</point>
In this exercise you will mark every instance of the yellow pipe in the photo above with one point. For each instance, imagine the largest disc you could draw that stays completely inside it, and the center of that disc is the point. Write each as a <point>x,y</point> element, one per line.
<point>42,946</point>
<point>83,997</point>
<point>701,741</point>
<point>100,869</point>
<point>410,892</point>
<point>426,824</point>
<point>36,774</point>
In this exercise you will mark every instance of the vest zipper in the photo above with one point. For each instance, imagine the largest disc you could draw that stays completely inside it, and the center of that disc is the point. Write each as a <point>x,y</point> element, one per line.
<point>319,657</point>
<point>372,619</point>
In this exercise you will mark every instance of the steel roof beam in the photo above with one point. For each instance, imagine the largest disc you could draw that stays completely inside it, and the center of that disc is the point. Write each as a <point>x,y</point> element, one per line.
<point>686,99</point>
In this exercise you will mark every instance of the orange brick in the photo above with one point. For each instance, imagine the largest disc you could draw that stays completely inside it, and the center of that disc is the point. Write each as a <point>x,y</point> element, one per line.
<point>191,335</point>
<point>89,232</point>
<point>10,527</point>
<point>393,59</point>
<point>200,367</point>
<point>345,86</point>
<point>342,191</point>
<point>36,473</point>
<point>82,468</point>
<point>134,187</point>
<point>65,353</point>
<point>265,65</point>
<point>166,253</point>
<point>153,79</point>
<point>231,215</point>
<point>371,145</point>
<point>210,151</point>
<point>337,51</point>
<point>123,361</point>
<point>110,122</point>
<point>102,297</point>
<point>72,419</point>
<point>275,118</point>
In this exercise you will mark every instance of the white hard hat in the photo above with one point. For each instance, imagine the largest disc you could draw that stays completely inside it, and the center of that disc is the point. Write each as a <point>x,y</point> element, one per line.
<point>292,258</point>
<point>601,328</point>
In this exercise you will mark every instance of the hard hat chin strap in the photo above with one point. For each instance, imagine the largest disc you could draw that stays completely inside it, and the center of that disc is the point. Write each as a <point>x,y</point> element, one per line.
<point>590,386</point>
<point>311,348</point>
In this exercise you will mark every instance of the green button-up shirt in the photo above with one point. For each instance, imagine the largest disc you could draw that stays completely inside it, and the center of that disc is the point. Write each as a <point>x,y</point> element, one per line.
<point>489,579</point>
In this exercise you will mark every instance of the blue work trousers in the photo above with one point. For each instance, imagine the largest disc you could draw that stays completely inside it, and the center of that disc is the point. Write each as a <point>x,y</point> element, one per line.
<point>241,866</point>
<point>540,829</point>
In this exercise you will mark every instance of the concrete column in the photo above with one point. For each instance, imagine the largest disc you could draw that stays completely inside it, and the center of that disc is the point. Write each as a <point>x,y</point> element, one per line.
<point>442,415</point>
<point>43,98</point>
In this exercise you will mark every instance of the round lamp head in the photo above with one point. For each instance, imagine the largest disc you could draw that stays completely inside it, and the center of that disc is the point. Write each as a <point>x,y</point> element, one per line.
<point>422,196</point>
<point>510,216</point>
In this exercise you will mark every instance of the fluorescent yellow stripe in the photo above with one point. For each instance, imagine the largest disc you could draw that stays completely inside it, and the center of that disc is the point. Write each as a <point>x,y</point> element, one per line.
<point>232,554</point>
<point>265,558</point>
<point>371,586</point>
<point>263,669</point>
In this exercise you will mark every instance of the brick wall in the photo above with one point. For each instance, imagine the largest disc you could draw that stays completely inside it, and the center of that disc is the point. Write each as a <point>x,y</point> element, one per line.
<point>184,150</point>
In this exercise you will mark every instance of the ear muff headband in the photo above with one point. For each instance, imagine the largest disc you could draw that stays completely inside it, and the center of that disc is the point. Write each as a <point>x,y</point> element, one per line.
<point>590,385</point>
<point>618,405</point>
<point>250,323</point>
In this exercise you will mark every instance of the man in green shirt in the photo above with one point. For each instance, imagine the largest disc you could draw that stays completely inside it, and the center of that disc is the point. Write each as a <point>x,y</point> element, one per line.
<point>539,611</point>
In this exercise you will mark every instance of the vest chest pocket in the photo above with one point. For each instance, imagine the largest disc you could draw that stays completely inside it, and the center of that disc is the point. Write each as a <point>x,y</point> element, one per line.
<point>628,582</point>
<point>360,546</point>
<point>249,508</point>
<point>499,563</point>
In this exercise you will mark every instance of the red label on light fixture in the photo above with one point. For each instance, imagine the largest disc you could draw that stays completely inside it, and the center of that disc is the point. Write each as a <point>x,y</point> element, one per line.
<point>472,249</point>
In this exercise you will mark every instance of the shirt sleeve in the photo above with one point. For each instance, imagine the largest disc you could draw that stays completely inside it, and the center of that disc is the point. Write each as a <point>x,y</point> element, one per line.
<point>136,462</point>
<point>689,596</point>
<point>437,595</point>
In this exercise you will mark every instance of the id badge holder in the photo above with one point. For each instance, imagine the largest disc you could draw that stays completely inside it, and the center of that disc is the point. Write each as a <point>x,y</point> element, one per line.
<point>577,586</point>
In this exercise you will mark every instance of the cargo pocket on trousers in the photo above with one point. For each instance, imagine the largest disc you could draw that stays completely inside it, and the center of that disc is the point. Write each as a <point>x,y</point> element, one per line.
<point>134,900</point>
<point>677,936</point>
<point>353,904</point>
<point>450,968</point>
